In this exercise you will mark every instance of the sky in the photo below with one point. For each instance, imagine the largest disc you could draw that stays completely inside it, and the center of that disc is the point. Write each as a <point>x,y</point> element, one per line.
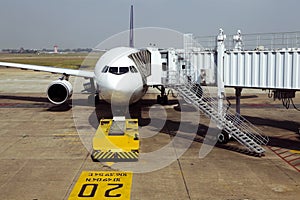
<point>41,24</point>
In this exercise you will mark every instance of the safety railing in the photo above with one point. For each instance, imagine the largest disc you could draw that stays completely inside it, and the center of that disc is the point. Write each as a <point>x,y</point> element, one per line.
<point>176,80</point>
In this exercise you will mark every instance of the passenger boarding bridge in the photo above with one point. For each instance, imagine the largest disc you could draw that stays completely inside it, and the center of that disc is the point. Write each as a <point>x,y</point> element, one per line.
<point>258,61</point>
<point>230,62</point>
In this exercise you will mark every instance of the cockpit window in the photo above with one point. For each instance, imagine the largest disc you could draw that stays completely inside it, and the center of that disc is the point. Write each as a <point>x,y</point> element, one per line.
<point>133,69</point>
<point>105,69</point>
<point>123,70</point>
<point>119,70</point>
<point>113,70</point>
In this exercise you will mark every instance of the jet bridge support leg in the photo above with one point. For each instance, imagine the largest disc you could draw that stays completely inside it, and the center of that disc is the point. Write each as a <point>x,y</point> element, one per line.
<point>238,94</point>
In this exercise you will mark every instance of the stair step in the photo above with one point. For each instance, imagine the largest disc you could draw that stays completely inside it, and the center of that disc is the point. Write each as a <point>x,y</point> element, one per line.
<point>189,94</point>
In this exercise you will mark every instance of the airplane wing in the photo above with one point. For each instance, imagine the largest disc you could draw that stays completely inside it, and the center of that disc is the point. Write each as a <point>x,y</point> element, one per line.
<point>55,70</point>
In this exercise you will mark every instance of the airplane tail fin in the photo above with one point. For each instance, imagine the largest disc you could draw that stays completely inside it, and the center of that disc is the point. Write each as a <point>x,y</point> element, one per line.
<point>131,43</point>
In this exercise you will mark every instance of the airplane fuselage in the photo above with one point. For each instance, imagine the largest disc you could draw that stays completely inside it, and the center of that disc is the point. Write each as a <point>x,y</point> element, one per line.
<point>118,78</point>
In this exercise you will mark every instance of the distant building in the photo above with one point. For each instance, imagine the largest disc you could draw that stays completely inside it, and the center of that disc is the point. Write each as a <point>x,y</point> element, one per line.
<point>55,49</point>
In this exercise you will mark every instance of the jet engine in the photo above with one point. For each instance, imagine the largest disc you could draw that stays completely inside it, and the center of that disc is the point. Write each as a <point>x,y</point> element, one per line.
<point>59,91</point>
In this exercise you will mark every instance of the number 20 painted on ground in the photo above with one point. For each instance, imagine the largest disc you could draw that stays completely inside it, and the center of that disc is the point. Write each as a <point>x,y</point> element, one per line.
<point>94,189</point>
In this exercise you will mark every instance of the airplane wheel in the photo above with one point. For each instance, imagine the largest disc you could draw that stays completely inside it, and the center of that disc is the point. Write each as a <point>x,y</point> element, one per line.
<point>223,138</point>
<point>165,100</point>
<point>159,99</point>
<point>97,99</point>
<point>162,100</point>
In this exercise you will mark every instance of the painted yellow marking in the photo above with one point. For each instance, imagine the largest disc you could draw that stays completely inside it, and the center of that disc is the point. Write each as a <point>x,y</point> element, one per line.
<point>295,151</point>
<point>102,185</point>
<point>121,155</point>
<point>109,163</point>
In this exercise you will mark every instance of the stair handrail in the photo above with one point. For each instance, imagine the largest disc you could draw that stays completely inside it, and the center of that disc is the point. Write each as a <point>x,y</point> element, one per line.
<point>177,79</point>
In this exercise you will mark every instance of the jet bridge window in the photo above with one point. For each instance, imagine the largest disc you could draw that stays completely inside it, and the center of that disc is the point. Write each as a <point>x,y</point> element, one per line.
<point>133,69</point>
<point>105,69</point>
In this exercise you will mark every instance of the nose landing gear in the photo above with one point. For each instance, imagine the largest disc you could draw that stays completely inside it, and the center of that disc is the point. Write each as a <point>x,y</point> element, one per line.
<point>162,98</point>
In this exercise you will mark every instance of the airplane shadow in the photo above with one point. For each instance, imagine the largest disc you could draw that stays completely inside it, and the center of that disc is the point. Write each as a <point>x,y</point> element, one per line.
<point>23,98</point>
<point>44,102</point>
<point>60,108</point>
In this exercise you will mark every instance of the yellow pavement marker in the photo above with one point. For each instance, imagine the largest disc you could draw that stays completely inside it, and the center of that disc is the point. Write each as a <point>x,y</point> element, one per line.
<point>102,185</point>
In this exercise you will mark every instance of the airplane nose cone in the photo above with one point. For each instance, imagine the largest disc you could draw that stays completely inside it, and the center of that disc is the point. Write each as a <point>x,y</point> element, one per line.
<point>120,90</point>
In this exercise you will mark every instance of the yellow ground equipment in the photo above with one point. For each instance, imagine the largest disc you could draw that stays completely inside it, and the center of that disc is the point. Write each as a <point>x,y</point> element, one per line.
<point>116,140</point>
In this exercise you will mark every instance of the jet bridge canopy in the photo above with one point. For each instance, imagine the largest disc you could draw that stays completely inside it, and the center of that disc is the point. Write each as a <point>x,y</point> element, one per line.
<point>240,61</point>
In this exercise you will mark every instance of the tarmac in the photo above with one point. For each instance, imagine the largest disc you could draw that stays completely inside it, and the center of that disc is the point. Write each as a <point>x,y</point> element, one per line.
<point>45,148</point>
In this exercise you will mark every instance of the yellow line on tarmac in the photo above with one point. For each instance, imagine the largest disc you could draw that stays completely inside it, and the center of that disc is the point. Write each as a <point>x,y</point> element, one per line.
<point>295,151</point>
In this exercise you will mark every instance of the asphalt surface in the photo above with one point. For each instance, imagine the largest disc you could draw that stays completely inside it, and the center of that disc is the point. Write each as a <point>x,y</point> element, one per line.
<point>44,149</point>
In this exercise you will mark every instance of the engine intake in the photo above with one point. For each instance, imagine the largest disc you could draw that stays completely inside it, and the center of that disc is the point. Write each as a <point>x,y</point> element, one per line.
<point>59,91</point>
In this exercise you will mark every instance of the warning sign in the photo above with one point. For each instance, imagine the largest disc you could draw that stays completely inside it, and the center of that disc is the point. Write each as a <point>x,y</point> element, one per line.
<point>102,185</point>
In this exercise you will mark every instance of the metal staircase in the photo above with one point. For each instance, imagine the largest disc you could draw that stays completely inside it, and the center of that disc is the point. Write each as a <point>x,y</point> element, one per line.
<point>234,124</point>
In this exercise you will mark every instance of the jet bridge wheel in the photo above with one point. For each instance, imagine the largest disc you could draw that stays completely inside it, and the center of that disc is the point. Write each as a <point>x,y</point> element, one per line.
<point>223,137</point>
<point>97,99</point>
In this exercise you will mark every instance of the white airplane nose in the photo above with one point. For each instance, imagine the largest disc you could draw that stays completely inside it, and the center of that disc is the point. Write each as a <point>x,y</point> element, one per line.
<point>118,78</point>
<point>121,90</point>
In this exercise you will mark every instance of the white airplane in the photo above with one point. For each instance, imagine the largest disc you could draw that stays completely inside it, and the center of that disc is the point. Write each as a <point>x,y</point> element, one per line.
<point>119,80</point>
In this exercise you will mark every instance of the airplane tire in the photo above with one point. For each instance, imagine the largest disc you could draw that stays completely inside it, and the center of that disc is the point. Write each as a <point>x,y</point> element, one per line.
<point>159,99</point>
<point>97,99</point>
<point>223,137</point>
<point>165,100</point>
